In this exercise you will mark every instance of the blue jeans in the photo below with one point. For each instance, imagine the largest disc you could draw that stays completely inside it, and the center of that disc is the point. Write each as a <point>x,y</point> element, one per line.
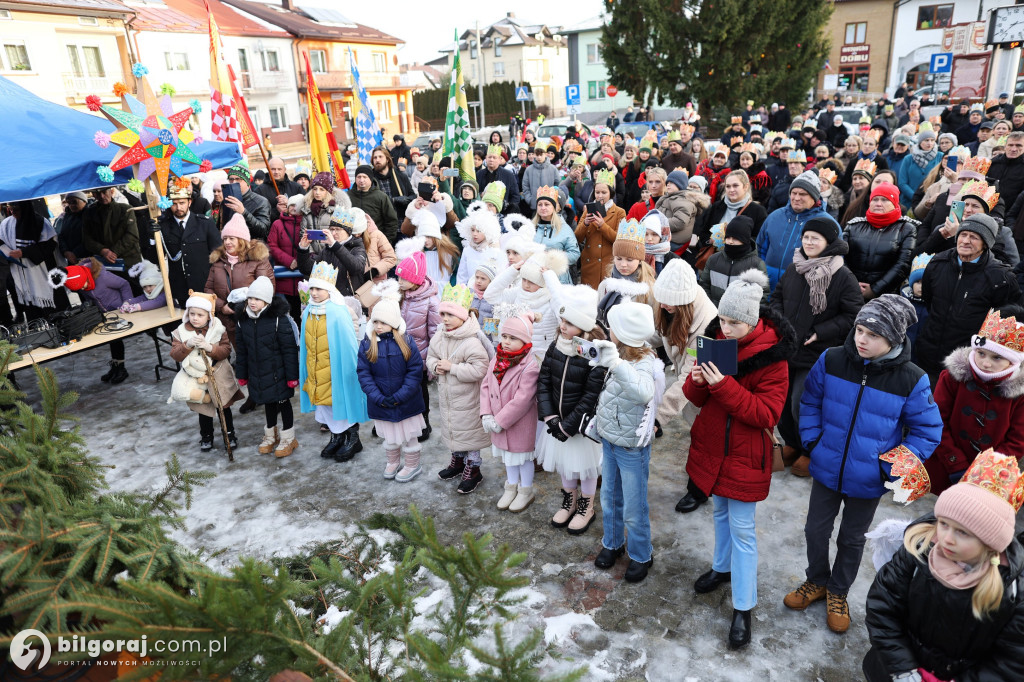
<point>736,549</point>
<point>624,500</point>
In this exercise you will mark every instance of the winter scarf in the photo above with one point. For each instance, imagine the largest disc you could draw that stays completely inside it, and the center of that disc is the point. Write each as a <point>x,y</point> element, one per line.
<point>732,208</point>
<point>954,574</point>
<point>653,251</point>
<point>564,345</point>
<point>990,376</point>
<point>882,220</point>
<point>922,159</point>
<point>479,293</point>
<point>818,272</point>
<point>504,360</point>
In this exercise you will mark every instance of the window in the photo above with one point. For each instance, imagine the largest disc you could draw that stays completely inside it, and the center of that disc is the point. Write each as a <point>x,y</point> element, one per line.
<point>278,119</point>
<point>934,16</point>
<point>380,61</point>
<point>16,57</point>
<point>472,49</point>
<point>268,58</point>
<point>243,61</point>
<point>318,61</point>
<point>497,49</point>
<point>593,53</point>
<point>383,110</point>
<point>499,69</point>
<point>595,89</point>
<point>176,61</point>
<point>472,71</point>
<point>5,14</point>
<point>854,78</point>
<point>88,21</point>
<point>86,61</point>
<point>857,33</point>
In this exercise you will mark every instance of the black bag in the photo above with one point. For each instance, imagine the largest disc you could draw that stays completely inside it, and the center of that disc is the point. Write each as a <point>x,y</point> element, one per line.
<point>31,335</point>
<point>76,322</point>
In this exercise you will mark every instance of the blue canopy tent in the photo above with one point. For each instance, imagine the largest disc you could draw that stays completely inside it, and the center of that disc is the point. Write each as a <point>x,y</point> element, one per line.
<point>49,148</point>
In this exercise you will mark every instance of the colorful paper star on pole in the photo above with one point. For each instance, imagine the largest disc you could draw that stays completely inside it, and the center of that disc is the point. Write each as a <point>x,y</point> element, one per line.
<point>152,135</point>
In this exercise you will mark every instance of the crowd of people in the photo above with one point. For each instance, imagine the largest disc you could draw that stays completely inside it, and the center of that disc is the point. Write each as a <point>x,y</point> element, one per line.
<point>558,302</point>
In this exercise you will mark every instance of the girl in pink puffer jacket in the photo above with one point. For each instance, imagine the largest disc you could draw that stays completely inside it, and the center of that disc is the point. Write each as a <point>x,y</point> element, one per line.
<point>420,305</point>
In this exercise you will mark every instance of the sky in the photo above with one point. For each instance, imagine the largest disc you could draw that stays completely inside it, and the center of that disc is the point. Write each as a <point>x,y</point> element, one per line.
<point>427,27</point>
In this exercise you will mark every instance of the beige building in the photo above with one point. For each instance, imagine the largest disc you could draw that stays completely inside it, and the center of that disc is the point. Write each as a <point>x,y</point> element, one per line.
<point>861,31</point>
<point>66,50</point>
<point>517,51</point>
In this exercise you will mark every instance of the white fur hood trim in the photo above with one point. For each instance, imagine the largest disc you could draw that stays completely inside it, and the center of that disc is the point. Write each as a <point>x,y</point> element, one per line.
<point>626,287</point>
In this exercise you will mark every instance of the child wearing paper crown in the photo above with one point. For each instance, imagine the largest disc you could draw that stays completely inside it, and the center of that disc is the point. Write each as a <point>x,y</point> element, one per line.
<point>327,364</point>
<point>912,292</point>
<point>552,231</point>
<point>628,277</point>
<point>980,396</point>
<point>508,410</point>
<point>200,330</point>
<point>567,392</point>
<point>730,444</point>
<point>391,374</point>
<point>267,360</point>
<point>948,605</point>
<point>862,400</point>
<point>625,424</point>
<point>521,288</point>
<point>420,312</point>
<point>459,354</point>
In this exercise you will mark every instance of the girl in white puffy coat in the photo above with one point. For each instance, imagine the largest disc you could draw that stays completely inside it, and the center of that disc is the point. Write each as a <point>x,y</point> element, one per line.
<point>480,232</point>
<point>520,288</point>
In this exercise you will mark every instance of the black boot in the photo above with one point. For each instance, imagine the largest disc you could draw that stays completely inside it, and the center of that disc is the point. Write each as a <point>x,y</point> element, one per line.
<point>710,581</point>
<point>739,631</point>
<point>350,446</point>
<point>454,468</point>
<point>205,442</point>
<point>426,434</point>
<point>689,503</point>
<point>110,372</point>
<point>232,440</point>
<point>658,433</point>
<point>333,445</point>
<point>471,478</point>
<point>637,571</point>
<point>248,406</point>
<point>606,558</point>
<point>119,373</point>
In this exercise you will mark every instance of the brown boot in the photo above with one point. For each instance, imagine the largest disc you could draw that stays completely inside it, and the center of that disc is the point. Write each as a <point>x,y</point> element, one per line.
<point>805,595</point>
<point>789,455</point>
<point>801,467</point>
<point>584,515</point>
<point>838,610</point>
<point>288,443</point>
<point>269,442</point>
<point>564,515</point>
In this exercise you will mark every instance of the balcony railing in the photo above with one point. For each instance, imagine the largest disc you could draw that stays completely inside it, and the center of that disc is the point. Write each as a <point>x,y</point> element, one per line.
<point>79,87</point>
<point>264,81</point>
<point>337,80</point>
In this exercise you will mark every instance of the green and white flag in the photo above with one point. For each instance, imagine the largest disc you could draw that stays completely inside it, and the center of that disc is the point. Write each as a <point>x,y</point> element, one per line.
<point>457,141</point>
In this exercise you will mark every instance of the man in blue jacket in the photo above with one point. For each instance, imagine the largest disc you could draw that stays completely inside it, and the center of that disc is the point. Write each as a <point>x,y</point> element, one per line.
<point>493,169</point>
<point>783,228</point>
<point>861,400</point>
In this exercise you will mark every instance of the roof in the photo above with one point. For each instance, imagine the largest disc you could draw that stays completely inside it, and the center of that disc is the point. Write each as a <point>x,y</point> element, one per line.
<point>71,6</point>
<point>302,26</point>
<point>507,31</point>
<point>189,16</point>
<point>591,24</point>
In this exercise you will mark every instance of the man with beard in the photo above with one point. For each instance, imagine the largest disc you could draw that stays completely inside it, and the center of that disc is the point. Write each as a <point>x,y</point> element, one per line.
<point>278,199</point>
<point>253,207</point>
<point>676,157</point>
<point>390,181</point>
<point>109,230</point>
<point>189,239</point>
<point>493,170</point>
<point>69,227</point>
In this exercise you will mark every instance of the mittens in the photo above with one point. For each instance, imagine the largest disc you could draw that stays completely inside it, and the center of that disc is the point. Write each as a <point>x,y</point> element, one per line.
<point>608,355</point>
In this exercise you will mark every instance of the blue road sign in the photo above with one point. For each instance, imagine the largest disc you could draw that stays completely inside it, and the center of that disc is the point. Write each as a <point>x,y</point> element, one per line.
<point>522,94</point>
<point>942,62</point>
<point>572,95</point>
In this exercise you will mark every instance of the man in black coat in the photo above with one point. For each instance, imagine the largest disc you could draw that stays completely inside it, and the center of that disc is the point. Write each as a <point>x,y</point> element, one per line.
<point>401,150</point>
<point>390,181</point>
<point>494,170</point>
<point>954,116</point>
<point>278,199</point>
<point>1008,169</point>
<point>254,208</point>
<point>189,239</point>
<point>959,287</point>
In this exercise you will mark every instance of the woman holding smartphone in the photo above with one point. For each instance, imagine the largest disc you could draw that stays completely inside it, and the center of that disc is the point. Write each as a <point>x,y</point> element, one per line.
<point>596,232</point>
<point>975,196</point>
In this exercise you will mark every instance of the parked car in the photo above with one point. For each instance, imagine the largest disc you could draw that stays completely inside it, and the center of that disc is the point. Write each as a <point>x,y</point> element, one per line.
<point>423,141</point>
<point>851,117</point>
<point>557,126</point>
<point>640,128</point>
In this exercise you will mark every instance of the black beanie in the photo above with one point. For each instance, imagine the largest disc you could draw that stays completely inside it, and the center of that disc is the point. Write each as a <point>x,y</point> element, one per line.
<point>740,227</point>
<point>364,169</point>
<point>826,227</point>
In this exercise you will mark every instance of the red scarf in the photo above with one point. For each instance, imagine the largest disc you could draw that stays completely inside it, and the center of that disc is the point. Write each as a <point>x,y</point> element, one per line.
<point>880,220</point>
<point>503,360</point>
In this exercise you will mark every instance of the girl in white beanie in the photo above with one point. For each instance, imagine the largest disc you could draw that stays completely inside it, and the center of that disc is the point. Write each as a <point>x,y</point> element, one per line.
<point>521,287</point>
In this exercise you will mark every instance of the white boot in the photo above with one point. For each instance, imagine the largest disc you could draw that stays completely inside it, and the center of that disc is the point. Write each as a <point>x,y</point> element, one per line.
<point>510,494</point>
<point>523,499</point>
<point>270,440</point>
<point>288,443</point>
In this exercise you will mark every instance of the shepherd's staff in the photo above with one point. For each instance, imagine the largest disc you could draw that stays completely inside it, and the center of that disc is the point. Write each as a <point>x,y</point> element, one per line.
<point>215,396</point>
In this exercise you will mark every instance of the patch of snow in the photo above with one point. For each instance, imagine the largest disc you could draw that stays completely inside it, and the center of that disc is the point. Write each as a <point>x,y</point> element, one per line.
<point>559,628</point>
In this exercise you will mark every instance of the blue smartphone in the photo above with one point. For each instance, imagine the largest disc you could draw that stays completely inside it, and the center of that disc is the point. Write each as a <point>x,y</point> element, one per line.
<point>952,162</point>
<point>318,235</point>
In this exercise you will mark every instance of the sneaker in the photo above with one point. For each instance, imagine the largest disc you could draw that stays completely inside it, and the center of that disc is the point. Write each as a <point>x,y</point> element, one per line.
<point>206,443</point>
<point>454,468</point>
<point>805,595</point>
<point>471,478</point>
<point>838,610</point>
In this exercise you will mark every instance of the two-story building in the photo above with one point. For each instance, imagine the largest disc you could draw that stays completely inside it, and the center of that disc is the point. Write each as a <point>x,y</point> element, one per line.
<point>586,67</point>
<point>859,60</point>
<point>66,50</point>
<point>326,36</point>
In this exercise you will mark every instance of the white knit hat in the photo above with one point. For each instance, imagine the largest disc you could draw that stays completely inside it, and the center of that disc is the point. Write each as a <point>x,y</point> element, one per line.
<point>677,284</point>
<point>742,298</point>
<point>261,288</point>
<point>148,273</point>
<point>426,224</point>
<point>387,309</point>
<point>489,267</point>
<point>632,323</point>
<point>552,259</point>
<point>579,306</point>
<point>359,224</point>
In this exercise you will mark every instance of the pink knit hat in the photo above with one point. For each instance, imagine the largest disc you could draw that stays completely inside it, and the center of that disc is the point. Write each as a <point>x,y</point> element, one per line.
<point>413,269</point>
<point>980,511</point>
<point>519,327</point>
<point>237,228</point>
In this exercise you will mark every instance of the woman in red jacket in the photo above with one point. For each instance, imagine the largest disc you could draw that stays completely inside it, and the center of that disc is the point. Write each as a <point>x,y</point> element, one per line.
<point>730,442</point>
<point>285,234</point>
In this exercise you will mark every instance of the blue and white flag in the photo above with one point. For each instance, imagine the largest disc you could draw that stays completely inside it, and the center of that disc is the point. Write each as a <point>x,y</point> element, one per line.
<point>368,134</point>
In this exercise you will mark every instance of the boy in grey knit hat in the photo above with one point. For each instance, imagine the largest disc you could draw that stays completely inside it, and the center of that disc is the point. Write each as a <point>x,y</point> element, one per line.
<point>742,299</point>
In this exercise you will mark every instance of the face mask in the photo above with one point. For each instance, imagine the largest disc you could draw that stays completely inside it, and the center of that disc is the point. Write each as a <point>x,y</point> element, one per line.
<point>736,251</point>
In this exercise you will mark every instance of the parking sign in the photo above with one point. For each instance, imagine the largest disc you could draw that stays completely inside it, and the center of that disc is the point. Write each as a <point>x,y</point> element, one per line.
<point>941,62</point>
<point>572,95</point>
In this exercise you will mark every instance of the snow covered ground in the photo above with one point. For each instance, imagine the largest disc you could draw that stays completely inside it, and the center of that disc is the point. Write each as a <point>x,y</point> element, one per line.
<point>659,629</point>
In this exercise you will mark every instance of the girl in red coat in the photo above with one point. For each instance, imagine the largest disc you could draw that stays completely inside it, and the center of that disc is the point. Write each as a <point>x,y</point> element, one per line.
<point>730,443</point>
<point>980,396</point>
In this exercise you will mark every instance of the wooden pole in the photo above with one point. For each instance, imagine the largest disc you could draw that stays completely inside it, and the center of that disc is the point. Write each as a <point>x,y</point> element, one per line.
<point>152,195</point>
<point>266,162</point>
<point>215,397</point>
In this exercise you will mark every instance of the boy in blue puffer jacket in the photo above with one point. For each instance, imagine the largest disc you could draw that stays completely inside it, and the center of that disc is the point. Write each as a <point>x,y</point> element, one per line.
<point>858,401</point>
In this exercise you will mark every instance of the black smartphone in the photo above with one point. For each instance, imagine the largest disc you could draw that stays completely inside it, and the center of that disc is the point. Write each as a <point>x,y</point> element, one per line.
<point>426,191</point>
<point>595,208</point>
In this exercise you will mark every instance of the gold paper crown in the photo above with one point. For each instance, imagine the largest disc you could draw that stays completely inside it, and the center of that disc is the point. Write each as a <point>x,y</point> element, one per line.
<point>495,149</point>
<point>737,119</point>
<point>1006,332</point>
<point>999,474</point>
<point>977,164</point>
<point>459,295</point>
<point>674,136</point>
<point>912,480</point>
<point>631,231</point>
<point>605,176</point>
<point>936,121</point>
<point>865,166</point>
<point>991,103</point>
<point>980,189</point>
<point>572,146</point>
<point>324,272</point>
<point>646,144</point>
<point>735,140</point>
<point>921,261</point>
<point>827,175</point>
<point>686,128</point>
<point>548,192</point>
<point>343,217</point>
<point>799,156</point>
<point>873,134</point>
